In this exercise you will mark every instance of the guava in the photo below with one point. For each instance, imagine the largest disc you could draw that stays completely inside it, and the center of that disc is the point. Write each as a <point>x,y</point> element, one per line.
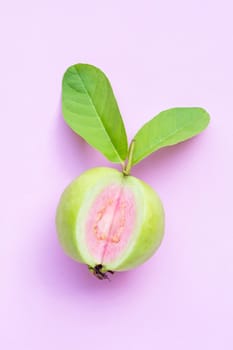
<point>109,221</point>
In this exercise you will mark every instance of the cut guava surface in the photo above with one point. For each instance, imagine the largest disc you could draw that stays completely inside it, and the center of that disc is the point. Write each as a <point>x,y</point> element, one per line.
<point>110,223</point>
<point>110,220</point>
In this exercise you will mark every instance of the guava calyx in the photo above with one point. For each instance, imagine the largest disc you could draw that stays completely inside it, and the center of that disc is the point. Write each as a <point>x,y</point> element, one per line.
<point>99,272</point>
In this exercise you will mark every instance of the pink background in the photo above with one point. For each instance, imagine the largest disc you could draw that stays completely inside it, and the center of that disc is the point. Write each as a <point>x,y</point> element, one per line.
<point>157,54</point>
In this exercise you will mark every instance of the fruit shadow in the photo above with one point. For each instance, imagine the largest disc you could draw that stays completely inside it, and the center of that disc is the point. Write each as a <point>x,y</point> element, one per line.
<point>63,277</point>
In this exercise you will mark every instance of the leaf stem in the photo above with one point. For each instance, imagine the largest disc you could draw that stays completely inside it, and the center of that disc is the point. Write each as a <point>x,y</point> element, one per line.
<point>128,163</point>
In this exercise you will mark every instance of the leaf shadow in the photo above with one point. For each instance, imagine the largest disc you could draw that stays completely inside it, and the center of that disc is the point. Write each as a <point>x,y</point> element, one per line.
<point>163,163</point>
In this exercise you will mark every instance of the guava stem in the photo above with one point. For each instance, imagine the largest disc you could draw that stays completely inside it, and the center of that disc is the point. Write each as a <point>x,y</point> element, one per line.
<point>128,164</point>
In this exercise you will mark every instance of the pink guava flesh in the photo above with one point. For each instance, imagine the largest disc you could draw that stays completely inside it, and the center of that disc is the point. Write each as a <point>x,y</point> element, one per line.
<point>110,223</point>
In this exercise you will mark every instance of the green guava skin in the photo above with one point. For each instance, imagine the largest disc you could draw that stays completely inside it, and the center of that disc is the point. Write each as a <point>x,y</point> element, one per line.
<point>151,228</point>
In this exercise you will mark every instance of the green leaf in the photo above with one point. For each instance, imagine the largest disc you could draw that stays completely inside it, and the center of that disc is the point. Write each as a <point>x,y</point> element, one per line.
<point>169,128</point>
<point>90,109</point>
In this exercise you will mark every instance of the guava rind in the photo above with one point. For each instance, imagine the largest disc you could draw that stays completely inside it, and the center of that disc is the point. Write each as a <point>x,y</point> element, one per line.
<point>150,211</point>
<point>151,230</point>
